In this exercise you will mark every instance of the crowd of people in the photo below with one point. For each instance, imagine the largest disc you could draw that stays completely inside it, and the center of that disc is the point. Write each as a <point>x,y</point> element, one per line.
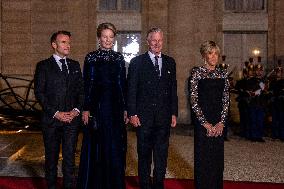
<point>261,96</point>
<point>104,100</point>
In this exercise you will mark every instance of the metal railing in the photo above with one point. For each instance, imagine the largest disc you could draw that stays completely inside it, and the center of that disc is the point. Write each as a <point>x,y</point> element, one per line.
<point>10,99</point>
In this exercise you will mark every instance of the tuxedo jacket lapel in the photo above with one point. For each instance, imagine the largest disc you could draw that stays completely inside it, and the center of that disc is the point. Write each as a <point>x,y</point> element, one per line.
<point>54,66</point>
<point>164,66</point>
<point>57,73</point>
<point>149,61</point>
<point>71,67</point>
<point>56,69</point>
<point>150,66</point>
<point>71,70</point>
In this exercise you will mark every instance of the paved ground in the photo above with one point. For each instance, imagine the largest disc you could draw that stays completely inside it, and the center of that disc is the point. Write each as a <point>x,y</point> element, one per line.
<point>22,155</point>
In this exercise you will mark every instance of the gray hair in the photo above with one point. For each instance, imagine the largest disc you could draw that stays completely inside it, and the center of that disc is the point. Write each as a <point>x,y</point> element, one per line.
<point>153,30</point>
<point>208,46</point>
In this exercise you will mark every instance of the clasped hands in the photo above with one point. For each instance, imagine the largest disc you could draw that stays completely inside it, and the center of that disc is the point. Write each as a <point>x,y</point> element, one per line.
<point>66,117</point>
<point>214,131</point>
<point>135,121</point>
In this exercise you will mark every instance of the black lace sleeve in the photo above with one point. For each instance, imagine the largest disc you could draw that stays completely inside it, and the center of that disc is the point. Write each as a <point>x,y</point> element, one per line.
<point>195,77</point>
<point>199,73</point>
<point>225,99</point>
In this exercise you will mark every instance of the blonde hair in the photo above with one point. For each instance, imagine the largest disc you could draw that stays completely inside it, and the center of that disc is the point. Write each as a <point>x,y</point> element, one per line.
<point>207,47</point>
<point>104,26</point>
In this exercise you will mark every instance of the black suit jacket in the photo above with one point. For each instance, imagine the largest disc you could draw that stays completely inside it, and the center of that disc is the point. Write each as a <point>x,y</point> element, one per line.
<point>55,92</point>
<point>150,97</point>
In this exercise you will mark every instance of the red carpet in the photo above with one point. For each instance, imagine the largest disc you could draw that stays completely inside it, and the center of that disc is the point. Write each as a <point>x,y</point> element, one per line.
<point>132,183</point>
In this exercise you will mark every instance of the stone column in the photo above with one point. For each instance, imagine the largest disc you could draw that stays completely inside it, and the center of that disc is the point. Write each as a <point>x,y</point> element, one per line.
<point>190,23</point>
<point>155,14</point>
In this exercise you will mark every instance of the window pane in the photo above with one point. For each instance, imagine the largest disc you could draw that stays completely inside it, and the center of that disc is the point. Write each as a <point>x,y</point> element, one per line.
<point>128,44</point>
<point>244,5</point>
<point>230,4</point>
<point>130,5</point>
<point>239,47</point>
<point>234,5</point>
<point>252,5</point>
<point>108,4</point>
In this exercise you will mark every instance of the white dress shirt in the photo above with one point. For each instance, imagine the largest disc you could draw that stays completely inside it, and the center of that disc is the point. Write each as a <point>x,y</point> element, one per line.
<point>57,59</point>
<point>152,56</point>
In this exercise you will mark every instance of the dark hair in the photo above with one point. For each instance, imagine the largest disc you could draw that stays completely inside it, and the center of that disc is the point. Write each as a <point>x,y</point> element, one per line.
<point>54,35</point>
<point>104,26</point>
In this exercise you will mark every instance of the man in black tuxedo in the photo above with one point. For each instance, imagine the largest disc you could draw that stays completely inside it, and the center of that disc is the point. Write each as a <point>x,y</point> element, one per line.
<point>59,89</point>
<point>152,107</point>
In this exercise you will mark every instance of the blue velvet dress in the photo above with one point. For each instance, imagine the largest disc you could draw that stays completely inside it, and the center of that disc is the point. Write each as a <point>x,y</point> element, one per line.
<point>102,163</point>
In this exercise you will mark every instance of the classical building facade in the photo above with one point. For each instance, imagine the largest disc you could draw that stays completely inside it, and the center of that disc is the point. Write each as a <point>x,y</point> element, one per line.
<point>243,29</point>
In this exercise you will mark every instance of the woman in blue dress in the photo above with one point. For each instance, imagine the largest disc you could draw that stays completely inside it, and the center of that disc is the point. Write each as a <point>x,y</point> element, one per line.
<point>102,163</point>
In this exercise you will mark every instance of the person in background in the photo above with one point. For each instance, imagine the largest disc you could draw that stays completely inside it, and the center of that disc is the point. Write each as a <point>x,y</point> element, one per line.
<point>209,97</point>
<point>277,88</point>
<point>59,89</point>
<point>224,68</point>
<point>243,100</point>
<point>256,89</point>
<point>103,152</point>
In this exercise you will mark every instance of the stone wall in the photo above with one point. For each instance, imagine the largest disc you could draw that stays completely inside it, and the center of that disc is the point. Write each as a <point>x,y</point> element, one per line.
<point>190,23</point>
<point>26,26</point>
<point>276,23</point>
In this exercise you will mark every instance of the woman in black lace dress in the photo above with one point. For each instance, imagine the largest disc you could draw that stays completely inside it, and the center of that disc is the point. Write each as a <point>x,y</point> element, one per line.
<point>102,164</point>
<point>209,95</point>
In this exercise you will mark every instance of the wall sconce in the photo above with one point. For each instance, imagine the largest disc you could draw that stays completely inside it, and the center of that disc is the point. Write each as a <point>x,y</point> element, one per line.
<point>256,52</point>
